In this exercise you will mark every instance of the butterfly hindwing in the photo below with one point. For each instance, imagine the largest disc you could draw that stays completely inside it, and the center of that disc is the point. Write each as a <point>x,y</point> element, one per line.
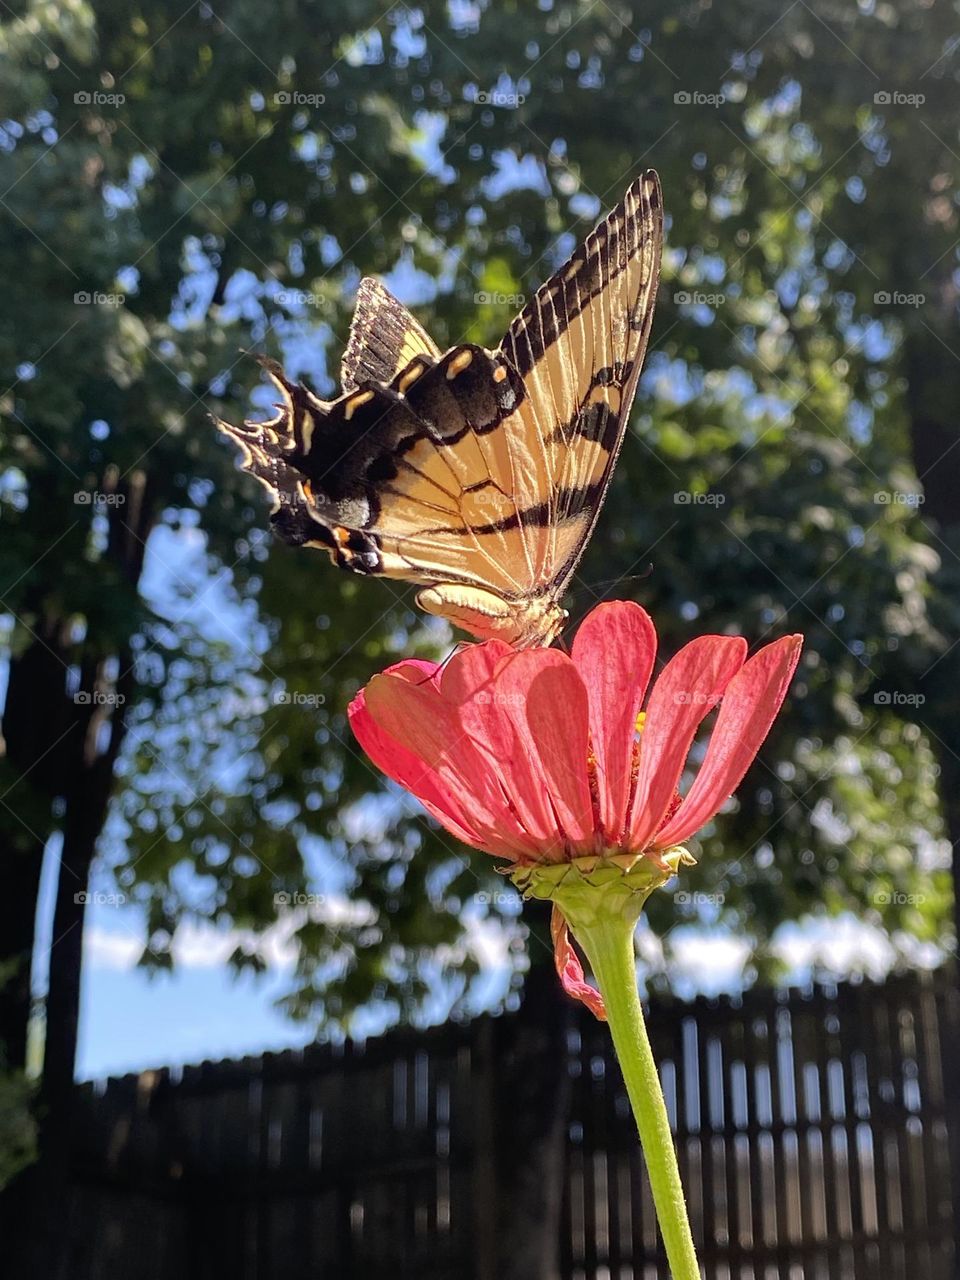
<point>412,480</point>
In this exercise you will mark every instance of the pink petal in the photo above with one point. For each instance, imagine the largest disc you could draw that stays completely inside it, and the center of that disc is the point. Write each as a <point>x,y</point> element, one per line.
<point>493,711</point>
<point>570,969</point>
<point>471,670</point>
<point>687,689</point>
<point>749,707</point>
<point>614,652</point>
<point>410,771</point>
<point>471,682</point>
<point>415,670</point>
<point>429,729</point>
<point>543,693</point>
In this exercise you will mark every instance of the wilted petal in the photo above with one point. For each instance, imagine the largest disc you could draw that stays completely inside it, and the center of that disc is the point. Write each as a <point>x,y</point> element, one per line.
<point>569,968</point>
<point>688,688</point>
<point>750,704</point>
<point>613,652</point>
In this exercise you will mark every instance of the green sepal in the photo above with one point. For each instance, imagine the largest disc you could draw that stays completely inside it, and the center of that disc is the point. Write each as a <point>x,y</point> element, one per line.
<point>601,885</point>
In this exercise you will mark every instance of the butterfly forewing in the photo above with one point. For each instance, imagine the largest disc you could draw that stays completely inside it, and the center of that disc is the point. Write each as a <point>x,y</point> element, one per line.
<point>578,346</point>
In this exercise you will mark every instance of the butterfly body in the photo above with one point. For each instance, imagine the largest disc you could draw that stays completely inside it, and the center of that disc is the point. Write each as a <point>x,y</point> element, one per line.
<point>477,473</point>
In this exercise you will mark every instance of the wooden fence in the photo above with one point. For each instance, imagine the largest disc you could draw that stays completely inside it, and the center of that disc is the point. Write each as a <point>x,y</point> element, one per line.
<point>815,1132</point>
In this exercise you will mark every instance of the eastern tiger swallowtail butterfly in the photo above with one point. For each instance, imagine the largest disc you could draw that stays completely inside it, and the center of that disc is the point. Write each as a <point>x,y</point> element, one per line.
<point>477,473</point>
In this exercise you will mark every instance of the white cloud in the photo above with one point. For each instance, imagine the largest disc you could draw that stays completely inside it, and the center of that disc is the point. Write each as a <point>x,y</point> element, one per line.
<point>707,961</point>
<point>110,951</point>
<point>841,944</point>
<point>204,946</point>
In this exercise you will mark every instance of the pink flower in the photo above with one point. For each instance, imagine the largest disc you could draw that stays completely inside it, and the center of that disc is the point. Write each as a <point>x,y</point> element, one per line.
<point>537,757</point>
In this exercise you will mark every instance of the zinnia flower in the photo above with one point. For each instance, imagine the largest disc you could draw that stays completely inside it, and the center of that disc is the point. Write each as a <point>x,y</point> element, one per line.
<point>540,757</point>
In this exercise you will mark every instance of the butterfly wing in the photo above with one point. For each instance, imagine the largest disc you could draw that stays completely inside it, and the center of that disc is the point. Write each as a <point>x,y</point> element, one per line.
<point>480,474</point>
<point>384,338</point>
<point>578,346</point>
<point>413,480</point>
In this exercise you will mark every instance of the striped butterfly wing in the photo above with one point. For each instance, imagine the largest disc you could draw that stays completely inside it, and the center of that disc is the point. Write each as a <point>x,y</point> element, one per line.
<point>408,479</point>
<point>384,338</point>
<point>477,473</point>
<point>578,346</point>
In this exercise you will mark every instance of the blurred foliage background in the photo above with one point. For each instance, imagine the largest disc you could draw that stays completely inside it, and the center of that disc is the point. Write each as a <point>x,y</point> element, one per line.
<point>177,187</point>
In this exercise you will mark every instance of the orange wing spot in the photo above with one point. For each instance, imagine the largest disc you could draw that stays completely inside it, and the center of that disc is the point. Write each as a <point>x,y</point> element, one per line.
<point>499,373</point>
<point>355,402</point>
<point>458,364</point>
<point>409,377</point>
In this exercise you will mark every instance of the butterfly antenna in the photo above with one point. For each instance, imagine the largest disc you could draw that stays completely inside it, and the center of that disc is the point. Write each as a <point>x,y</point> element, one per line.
<point>600,590</point>
<point>461,644</point>
<point>608,585</point>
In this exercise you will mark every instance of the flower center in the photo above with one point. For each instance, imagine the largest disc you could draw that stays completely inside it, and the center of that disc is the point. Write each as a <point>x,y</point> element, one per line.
<point>617,839</point>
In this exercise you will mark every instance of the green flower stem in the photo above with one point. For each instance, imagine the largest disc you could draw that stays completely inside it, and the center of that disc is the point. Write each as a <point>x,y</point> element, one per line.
<point>601,899</point>
<point>608,946</point>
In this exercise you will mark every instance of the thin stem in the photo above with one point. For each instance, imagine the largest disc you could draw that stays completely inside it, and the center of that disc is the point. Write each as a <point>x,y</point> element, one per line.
<point>608,944</point>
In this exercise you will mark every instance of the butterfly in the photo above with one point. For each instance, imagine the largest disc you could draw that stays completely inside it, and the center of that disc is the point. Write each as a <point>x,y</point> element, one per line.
<point>479,474</point>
